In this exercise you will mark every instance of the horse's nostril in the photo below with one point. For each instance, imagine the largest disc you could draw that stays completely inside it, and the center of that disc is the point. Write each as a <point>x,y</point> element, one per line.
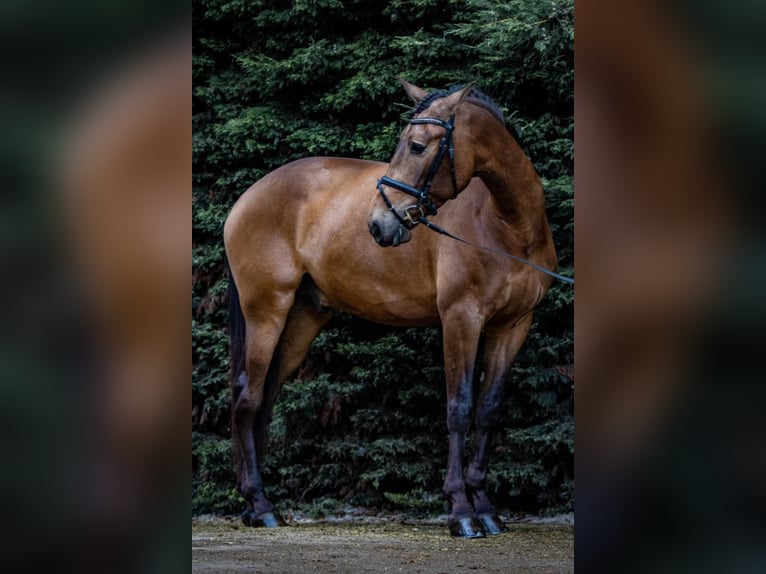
<point>375,230</point>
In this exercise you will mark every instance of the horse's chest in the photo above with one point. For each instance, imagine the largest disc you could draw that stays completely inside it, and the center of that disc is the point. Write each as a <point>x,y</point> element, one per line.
<point>513,295</point>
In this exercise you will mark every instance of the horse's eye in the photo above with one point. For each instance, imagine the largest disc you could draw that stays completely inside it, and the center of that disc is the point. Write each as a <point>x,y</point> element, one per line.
<point>417,148</point>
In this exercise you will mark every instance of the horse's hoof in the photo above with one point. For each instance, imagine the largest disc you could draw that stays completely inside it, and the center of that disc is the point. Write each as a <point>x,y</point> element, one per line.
<point>467,527</point>
<point>492,524</point>
<point>265,520</point>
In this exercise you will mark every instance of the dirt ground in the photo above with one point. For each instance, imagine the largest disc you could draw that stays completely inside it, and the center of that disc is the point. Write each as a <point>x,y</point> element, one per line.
<point>223,545</point>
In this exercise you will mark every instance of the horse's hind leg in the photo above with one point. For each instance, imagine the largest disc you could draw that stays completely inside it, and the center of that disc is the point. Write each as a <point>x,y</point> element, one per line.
<point>501,346</point>
<point>303,324</point>
<point>263,331</point>
<point>278,336</point>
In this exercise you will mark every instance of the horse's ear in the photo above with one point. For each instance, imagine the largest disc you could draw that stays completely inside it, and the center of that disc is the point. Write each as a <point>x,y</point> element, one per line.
<point>415,93</point>
<point>453,101</point>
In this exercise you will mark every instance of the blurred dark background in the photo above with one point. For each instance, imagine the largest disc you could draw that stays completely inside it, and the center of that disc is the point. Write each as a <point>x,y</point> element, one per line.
<point>670,131</point>
<point>670,437</point>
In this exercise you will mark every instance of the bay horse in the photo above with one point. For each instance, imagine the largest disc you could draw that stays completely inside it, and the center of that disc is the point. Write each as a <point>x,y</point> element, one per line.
<point>298,245</point>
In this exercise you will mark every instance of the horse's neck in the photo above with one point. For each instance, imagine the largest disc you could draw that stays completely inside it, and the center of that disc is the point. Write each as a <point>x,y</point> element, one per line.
<point>515,186</point>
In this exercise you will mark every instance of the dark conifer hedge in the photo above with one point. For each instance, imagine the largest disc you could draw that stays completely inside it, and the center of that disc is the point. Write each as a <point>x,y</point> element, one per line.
<point>363,423</point>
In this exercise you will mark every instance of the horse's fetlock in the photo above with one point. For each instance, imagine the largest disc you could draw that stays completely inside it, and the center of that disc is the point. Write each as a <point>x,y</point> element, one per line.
<point>247,490</point>
<point>475,479</point>
<point>454,489</point>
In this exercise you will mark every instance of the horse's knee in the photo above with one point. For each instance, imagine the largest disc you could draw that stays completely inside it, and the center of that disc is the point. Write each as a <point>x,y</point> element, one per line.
<point>459,406</point>
<point>458,415</point>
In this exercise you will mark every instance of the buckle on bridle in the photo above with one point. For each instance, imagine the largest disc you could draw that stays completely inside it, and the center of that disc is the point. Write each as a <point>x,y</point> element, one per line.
<point>410,220</point>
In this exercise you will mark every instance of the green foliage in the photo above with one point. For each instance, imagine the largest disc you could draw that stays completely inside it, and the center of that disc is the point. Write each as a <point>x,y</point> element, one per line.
<point>340,431</point>
<point>364,421</point>
<point>526,48</point>
<point>212,475</point>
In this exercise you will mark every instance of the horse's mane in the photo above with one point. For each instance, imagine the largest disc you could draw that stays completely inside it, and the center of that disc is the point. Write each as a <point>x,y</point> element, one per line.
<point>476,97</point>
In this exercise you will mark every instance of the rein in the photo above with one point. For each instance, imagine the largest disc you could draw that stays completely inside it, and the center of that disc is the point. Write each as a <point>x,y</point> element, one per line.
<point>432,226</point>
<point>418,212</point>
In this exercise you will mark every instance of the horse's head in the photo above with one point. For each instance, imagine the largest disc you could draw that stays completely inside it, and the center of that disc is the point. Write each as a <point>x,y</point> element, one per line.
<point>429,166</point>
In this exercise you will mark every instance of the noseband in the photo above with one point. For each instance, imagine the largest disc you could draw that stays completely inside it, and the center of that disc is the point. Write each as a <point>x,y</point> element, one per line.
<point>425,205</point>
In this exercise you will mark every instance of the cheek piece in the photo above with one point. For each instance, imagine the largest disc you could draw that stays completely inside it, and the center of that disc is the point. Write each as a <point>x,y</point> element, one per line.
<point>415,213</point>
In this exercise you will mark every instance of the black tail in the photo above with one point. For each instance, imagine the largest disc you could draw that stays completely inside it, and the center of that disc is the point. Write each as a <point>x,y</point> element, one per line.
<point>236,335</point>
<point>237,350</point>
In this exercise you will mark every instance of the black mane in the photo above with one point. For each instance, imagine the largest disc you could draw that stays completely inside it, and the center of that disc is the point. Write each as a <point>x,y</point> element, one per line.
<point>476,97</point>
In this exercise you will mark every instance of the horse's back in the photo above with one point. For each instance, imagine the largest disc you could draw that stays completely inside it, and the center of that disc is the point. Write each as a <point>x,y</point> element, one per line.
<point>294,183</point>
<point>278,197</point>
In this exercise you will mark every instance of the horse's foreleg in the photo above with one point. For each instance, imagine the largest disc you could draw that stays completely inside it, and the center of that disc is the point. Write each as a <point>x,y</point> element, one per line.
<point>501,346</point>
<point>461,336</point>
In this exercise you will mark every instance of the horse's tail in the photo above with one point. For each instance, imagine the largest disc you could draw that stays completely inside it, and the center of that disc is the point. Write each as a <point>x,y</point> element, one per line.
<point>236,337</point>
<point>237,350</point>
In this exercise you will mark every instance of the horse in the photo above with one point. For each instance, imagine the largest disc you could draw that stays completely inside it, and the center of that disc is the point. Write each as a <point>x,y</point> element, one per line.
<point>310,237</point>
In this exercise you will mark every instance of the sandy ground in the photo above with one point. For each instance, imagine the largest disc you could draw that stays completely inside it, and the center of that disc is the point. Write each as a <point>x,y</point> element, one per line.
<point>224,545</point>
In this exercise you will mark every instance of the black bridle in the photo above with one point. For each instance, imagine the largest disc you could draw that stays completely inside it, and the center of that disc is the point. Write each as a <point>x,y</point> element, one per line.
<point>416,213</point>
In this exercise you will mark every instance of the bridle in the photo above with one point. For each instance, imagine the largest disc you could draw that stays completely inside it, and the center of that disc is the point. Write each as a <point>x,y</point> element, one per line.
<point>415,213</point>
<point>419,212</point>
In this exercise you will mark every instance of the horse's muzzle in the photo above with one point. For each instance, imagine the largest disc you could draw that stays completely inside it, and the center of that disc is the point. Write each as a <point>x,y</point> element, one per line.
<point>389,234</point>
